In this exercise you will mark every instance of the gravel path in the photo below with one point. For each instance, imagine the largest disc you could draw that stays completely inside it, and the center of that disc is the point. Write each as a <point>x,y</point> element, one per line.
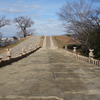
<point>15,51</point>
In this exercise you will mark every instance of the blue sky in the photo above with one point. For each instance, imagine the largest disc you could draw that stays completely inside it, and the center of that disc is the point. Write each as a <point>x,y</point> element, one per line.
<point>42,12</point>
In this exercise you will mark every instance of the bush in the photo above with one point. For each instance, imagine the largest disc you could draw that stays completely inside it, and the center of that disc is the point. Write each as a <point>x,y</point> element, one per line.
<point>85,51</point>
<point>64,46</point>
<point>97,54</point>
<point>70,46</point>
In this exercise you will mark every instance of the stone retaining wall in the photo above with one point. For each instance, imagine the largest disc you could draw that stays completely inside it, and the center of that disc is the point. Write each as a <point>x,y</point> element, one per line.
<point>11,60</point>
<point>21,55</point>
<point>15,51</point>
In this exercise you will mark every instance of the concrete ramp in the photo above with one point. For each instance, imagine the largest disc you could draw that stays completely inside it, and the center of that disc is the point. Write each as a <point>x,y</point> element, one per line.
<point>44,42</point>
<point>48,42</point>
<point>51,41</point>
<point>49,74</point>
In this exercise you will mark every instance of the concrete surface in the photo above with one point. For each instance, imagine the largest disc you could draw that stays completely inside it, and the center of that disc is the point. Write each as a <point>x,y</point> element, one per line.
<point>44,42</point>
<point>48,43</point>
<point>52,44</point>
<point>49,74</point>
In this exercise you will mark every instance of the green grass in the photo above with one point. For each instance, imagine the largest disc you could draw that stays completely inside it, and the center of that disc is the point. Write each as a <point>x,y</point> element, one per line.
<point>12,45</point>
<point>60,43</point>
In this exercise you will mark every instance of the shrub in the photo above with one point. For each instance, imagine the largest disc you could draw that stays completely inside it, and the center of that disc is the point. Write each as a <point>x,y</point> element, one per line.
<point>70,46</point>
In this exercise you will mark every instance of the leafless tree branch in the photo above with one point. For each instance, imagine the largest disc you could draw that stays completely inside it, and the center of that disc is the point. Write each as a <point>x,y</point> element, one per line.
<point>23,23</point>
<point>80,19</point>
<point>4,21</point>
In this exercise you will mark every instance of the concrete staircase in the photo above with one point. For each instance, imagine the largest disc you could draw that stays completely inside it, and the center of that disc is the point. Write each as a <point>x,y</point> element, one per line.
<point>48,43</point>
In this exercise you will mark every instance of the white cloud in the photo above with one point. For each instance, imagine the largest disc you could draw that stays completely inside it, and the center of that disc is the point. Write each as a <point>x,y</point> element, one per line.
<point>35,16</point>
<point>36,6</point>
<point>9,30</point>
<point>26,6</point>
<point>11,5</point>
<point>12,10</point>
<point>43,27</point>
<point>50,19</point>
<point>20,1</point>
<point>46,13</point>
<point>16,5</point>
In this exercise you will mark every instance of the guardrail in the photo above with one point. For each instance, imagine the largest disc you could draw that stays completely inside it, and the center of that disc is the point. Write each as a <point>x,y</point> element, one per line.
<point>83,58</point>
<point>22,55</point>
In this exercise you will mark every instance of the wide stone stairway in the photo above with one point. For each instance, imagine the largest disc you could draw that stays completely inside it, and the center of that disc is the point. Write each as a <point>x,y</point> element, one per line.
<point>49,74</point>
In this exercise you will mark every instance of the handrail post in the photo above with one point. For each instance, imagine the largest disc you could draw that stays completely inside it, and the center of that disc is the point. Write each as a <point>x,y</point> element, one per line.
<point>91,53</point>
<point>21,54</point>
<point>8,54</point>
<point>23,51</point>
<point>74,49</point>
<point>65,47</point>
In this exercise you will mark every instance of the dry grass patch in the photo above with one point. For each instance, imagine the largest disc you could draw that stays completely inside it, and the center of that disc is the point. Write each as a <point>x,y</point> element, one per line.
<point>64,40</point>
<point>60,43</point>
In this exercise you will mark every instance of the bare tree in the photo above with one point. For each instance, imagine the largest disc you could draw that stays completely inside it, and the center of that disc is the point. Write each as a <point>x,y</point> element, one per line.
<point>23,23</point>
<point>75,17</point>
<point>83,21</point>
<point>29,32</point>
<point>0,36</point>
<point>3,22</point>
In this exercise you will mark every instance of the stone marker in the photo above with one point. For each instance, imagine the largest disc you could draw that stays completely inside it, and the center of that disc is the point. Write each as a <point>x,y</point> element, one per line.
<point>91,53</point>
<point>65,47</point>
<point>21,54</point>
<point>23,51</point>
<point>74,50</point>
<point>8,54</point>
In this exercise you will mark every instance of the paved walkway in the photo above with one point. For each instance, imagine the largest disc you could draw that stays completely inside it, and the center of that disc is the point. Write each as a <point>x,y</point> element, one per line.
<point>48,42</point>
<point>49,74</point>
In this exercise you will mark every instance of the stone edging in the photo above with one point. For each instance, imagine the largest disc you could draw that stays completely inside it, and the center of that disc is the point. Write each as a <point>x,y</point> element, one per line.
<point>11,60</point>
<point>80,57</point>
<point>21,56</point>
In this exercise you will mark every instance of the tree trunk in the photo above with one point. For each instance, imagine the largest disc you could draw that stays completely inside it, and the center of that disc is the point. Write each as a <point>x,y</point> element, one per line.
<point>25,33</point>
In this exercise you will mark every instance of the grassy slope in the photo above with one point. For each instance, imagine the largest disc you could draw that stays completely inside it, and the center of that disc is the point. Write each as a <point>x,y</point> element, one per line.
<point>60,43</point>
<point>64,40</point>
